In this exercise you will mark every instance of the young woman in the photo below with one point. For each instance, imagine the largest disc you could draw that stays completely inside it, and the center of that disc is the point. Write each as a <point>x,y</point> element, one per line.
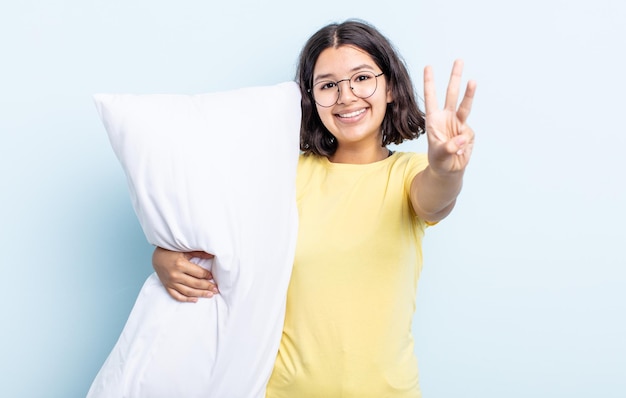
<point>363,210</point>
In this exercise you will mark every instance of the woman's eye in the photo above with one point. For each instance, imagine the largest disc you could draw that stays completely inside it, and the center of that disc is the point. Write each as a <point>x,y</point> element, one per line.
<point>328,85</point>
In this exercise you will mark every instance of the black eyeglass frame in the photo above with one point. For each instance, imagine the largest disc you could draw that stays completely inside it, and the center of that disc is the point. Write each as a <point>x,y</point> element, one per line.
<point>376,76</point>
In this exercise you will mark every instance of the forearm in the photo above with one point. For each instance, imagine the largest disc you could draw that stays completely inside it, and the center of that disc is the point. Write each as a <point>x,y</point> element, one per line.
<point>433,194</point>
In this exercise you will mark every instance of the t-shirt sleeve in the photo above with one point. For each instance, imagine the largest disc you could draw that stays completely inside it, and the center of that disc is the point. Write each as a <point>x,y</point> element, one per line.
<point>415,164</point>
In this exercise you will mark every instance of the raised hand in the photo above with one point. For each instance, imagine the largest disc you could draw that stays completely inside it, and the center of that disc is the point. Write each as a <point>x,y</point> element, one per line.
<point>450,139</point>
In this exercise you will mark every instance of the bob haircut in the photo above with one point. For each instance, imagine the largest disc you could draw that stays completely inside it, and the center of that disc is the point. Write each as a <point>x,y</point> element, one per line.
<point>403,118</point>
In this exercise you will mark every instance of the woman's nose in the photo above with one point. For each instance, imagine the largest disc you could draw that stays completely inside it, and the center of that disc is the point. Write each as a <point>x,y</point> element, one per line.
<point>345,94</point>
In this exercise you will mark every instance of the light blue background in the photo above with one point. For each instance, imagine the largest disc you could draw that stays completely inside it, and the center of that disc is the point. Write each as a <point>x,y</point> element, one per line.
<point>523,291</point>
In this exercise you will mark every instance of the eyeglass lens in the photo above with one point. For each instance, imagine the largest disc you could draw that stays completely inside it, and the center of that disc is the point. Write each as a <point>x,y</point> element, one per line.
<point>363,85</point>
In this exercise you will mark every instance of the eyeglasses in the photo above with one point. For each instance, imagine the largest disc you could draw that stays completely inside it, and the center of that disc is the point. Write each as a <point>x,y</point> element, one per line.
<point>363,84</point>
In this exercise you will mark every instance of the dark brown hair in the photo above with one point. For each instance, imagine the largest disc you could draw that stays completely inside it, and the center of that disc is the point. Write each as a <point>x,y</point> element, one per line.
<point>403,118</point>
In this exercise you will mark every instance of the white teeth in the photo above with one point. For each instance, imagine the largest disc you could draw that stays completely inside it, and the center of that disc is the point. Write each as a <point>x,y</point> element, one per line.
<point>352,114</point>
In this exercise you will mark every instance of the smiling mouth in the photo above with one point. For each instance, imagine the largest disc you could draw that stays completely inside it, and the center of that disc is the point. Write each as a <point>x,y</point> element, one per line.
<point>351,114</point>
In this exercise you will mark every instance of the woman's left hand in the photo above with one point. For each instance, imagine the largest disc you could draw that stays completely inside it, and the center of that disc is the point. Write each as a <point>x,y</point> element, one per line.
<point>450,139</point>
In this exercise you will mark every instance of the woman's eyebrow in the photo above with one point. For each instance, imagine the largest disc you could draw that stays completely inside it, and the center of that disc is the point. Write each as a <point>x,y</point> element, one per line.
<point>328,76</point>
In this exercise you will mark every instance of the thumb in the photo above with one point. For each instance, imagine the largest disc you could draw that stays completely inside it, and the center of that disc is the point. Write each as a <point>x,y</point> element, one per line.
<point>457,145</point>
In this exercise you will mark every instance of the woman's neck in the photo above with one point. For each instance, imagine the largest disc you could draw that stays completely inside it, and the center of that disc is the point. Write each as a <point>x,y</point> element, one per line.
<point>354,155</point>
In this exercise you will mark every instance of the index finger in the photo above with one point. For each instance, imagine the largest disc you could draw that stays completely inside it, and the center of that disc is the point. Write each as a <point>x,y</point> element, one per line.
<point>466,103</point>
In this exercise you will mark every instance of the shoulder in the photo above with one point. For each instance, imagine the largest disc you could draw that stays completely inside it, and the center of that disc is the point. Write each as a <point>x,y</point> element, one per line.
<point>407,165</point>
<point>411,159</point>
<point>308,166</point>
<point>410,163</point>
<point>308,161</point>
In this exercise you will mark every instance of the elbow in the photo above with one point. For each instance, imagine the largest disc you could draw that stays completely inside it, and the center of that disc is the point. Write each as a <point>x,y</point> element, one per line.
<point>436,215</point>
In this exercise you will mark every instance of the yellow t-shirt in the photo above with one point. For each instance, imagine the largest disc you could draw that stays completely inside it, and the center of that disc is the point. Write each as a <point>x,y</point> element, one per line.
<point>351,296</point>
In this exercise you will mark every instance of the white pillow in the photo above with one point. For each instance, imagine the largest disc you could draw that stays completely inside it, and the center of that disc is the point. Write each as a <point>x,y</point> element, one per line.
<point>212,172</point>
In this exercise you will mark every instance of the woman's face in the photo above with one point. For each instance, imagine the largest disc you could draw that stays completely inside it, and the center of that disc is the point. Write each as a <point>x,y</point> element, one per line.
<point>352,120</point>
